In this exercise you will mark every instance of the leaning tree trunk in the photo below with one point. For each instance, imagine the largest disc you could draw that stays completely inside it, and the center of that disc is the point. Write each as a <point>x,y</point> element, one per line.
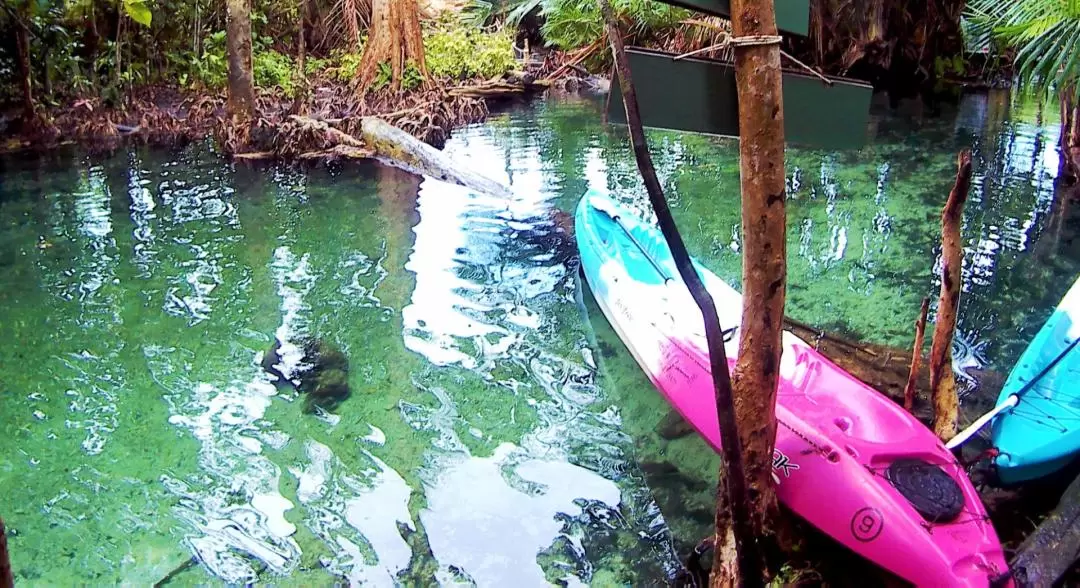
<point>395,39</point>
<point>761,172</point>
<point>1070,134</point>
<point>22,40</point>
<point>238,44</point>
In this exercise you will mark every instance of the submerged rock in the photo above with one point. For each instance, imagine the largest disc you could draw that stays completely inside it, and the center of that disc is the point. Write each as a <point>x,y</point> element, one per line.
<point>320,371</point>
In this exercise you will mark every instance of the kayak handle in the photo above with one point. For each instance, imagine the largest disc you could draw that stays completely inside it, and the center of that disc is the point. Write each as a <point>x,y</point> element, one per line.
<point>980,422</point>
<point>1009,402</point>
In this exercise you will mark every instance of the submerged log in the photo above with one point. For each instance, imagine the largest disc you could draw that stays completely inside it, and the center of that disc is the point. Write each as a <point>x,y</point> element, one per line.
<point>916,356</point>
<point>945,399</point>
<point>400,149</point>
<point>883,368</point>
<point>1052,549</point>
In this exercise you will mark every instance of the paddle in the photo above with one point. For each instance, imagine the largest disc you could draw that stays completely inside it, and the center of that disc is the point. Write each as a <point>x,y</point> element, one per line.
<point>1009,402</point>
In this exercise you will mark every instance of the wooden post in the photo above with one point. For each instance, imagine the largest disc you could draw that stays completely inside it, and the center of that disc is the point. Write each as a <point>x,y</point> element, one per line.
<point>942,379</point>
<point>764,234</point>
<point>916,356</point>
<point>7,580</point>
<point>733,502</point>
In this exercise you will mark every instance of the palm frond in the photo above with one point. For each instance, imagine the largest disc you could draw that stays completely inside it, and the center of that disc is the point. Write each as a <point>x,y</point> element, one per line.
<point>1044,33</point>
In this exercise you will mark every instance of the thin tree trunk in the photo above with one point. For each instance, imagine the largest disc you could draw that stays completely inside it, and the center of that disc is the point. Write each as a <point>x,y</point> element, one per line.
<point>1070,133</point>
<point>942,379</point>
<point>733,504</point>
<point>352,23</point>
<point>916,356</point>
<point>764,233</point>
<point>7,580</point>
<point>22,40</point>
<point>301,42</point>
<point>238,44</point>
<point>395,39</point>
<point>299,105</point>
<point>119,46</point>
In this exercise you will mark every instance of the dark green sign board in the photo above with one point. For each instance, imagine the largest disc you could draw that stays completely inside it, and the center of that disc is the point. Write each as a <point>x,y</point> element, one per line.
<point>699,95</point>
<point>792,16</point>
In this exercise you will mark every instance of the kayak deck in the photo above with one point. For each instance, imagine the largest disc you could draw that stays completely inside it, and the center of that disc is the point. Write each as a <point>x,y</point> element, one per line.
<point>1041,434</point>
<point>847,459</point>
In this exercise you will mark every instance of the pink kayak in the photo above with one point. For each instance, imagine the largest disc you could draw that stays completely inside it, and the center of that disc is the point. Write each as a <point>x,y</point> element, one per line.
<point>848,460</point>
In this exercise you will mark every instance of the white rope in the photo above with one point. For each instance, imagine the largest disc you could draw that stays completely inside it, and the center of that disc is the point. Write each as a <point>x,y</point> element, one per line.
<point>752,40</point>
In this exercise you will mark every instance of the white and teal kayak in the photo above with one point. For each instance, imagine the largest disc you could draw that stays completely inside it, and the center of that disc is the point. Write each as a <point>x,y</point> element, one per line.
<point>1040,433</point>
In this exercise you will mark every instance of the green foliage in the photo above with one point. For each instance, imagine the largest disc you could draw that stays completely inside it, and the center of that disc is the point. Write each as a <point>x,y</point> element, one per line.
<point>273,69</point>
<point>269,67</point>
<point>138,11</point>
<point>569,24</point>
<point>411,78</point>
<point>462,52</point>
<point>1043,33</point>
<point>345,66</point>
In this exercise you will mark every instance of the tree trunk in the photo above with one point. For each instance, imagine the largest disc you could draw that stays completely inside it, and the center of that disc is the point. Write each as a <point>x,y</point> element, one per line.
<point>395,39</point>
<point>7,580</point>
<point>22,40</point>
<point>761,172</point>
<point>942,379</point>
<point>916,357</point>
<point>738,553</point>
<point>1070,134</point>
<point>238,44</point>
<point>352,24</point>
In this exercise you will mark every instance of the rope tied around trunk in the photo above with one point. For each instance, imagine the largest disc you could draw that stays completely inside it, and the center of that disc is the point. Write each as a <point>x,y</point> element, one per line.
<point>751,40</point>
<point>726,41</point>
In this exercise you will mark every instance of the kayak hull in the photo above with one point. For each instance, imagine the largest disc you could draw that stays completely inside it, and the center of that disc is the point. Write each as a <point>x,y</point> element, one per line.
<point>1041,434</point>
<point>836,438</point>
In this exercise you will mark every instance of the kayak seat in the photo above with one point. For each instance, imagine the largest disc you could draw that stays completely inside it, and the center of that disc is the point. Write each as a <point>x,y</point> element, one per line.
<point>933,493</point>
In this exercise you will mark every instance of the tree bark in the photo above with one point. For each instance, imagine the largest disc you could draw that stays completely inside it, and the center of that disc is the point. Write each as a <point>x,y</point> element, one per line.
<point>738,553</point>
<point>942,379</point>
<point>352,24</point>
<point>22,40</point>
<point>238,44</point>
<point>7,580</point>
<point>890,42</point>
<point>764,233</point>
<point>395,39</point>
<point>916,356</point>
<point>1070,134</point>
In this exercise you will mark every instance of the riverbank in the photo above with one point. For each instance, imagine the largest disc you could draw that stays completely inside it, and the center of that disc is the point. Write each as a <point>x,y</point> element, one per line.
<point>284,126</point>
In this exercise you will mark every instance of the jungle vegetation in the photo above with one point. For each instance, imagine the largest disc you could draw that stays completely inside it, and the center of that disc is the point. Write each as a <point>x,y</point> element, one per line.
<point>95,54</point>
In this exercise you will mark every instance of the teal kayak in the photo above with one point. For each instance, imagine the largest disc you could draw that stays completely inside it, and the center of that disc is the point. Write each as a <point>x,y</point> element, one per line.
<point>1041,433</point>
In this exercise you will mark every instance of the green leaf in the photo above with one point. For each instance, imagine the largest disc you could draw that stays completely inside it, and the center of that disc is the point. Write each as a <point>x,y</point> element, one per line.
<point>138,11</point>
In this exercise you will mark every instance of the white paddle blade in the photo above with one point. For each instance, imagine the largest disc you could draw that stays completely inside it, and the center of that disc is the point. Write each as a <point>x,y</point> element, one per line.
<point>980,422</point>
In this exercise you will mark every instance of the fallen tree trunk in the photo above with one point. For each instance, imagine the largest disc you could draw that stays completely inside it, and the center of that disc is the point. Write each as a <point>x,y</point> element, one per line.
<point>400,149</point>
<point>1048,553</point>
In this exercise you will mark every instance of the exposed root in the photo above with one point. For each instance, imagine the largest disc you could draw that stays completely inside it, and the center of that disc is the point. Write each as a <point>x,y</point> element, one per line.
<point>163,115</point>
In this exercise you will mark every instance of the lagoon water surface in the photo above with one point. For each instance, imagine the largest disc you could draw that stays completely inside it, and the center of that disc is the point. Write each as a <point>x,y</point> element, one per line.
<point>497,432</point>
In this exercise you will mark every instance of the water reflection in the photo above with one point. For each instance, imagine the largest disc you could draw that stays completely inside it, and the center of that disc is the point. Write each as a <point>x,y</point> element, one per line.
<point>140,291</point>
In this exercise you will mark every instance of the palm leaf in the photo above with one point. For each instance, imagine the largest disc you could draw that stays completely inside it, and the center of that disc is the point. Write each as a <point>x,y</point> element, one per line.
<point>1044,33</point>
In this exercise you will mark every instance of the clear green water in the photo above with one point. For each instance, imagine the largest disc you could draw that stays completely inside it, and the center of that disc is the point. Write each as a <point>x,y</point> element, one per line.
<point>497,431</point>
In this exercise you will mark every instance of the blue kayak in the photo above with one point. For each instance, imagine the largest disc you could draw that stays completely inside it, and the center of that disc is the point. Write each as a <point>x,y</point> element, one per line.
<point>1041,434</point>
